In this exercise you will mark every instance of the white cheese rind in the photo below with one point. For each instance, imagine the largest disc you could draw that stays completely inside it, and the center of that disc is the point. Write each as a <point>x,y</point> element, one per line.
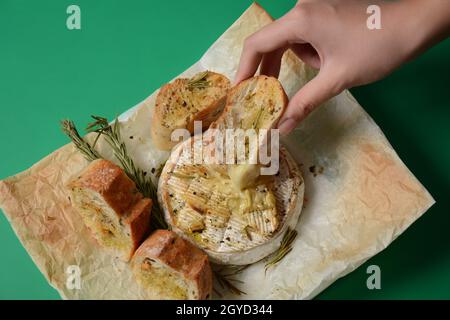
<point>239,250</point>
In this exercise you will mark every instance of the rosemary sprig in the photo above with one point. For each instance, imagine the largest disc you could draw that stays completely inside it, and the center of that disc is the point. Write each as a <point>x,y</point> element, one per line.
<point>69,129</point>
<point>225,277</point>
<point>198,81</point>
<point>145,185</point>
<point>158,171</point>
<point>114,139</point>
<point>283,250</point>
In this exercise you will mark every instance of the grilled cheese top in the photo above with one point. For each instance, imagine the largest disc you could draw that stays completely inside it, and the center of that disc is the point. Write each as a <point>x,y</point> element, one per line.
<point>213,212</point>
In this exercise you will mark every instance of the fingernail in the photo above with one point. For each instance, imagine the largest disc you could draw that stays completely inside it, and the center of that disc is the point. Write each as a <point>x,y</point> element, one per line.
<point>286,126</point>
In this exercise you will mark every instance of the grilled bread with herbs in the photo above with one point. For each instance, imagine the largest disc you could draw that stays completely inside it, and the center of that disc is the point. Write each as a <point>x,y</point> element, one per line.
<point>184,101</point>
<point>169,267</point>
<point>256,103</point>
<point>111,207</point>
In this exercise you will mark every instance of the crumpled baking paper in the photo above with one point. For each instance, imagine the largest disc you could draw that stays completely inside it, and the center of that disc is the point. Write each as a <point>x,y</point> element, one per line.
<point>359,194</point>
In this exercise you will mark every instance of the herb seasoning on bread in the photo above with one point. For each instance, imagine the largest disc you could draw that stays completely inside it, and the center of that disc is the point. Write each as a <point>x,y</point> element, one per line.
<point>184,101</point>
<point>170,267</point>
<point>111,207</point>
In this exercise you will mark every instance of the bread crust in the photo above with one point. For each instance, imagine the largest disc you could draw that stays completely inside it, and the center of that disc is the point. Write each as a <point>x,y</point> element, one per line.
<point>169,115</point>
<point>139,222</point>
<point>121,195</point>
<point>111,182</point>
<point>180,255</point>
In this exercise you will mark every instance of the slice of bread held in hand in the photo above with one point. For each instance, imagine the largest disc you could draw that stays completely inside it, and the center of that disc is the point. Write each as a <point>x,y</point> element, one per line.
<point>171,268</point>
<point>184,101</point>
<point>256,103</point>
<point>111,207</point>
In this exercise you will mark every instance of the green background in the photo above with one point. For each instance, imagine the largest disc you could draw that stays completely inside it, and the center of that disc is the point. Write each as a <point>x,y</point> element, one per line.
<point>127,49</point>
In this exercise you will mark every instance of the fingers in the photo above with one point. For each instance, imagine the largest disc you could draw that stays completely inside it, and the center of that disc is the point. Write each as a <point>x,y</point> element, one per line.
<point>307,54</point>
<point>323,87</point>
<point>271,63</point>
<point>269,39</point>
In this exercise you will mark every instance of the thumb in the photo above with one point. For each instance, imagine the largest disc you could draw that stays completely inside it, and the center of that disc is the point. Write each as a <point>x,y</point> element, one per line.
<point>321,88</point>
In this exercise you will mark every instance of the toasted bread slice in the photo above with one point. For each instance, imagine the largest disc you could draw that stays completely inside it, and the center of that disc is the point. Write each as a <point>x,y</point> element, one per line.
<point>170,267</point>
<point>256,103</point>
<point>184,101</point>
<point>111,207</point>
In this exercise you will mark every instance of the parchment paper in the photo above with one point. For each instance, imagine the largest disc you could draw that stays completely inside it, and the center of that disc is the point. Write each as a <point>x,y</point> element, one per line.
<point>360,199</point>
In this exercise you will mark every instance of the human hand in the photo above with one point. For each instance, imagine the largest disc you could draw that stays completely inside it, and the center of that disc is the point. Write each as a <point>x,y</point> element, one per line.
<point>333,36</point>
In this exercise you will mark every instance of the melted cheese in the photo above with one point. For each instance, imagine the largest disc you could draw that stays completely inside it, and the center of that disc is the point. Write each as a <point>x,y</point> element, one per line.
<point>243,175</point>
<point>207,206</point>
